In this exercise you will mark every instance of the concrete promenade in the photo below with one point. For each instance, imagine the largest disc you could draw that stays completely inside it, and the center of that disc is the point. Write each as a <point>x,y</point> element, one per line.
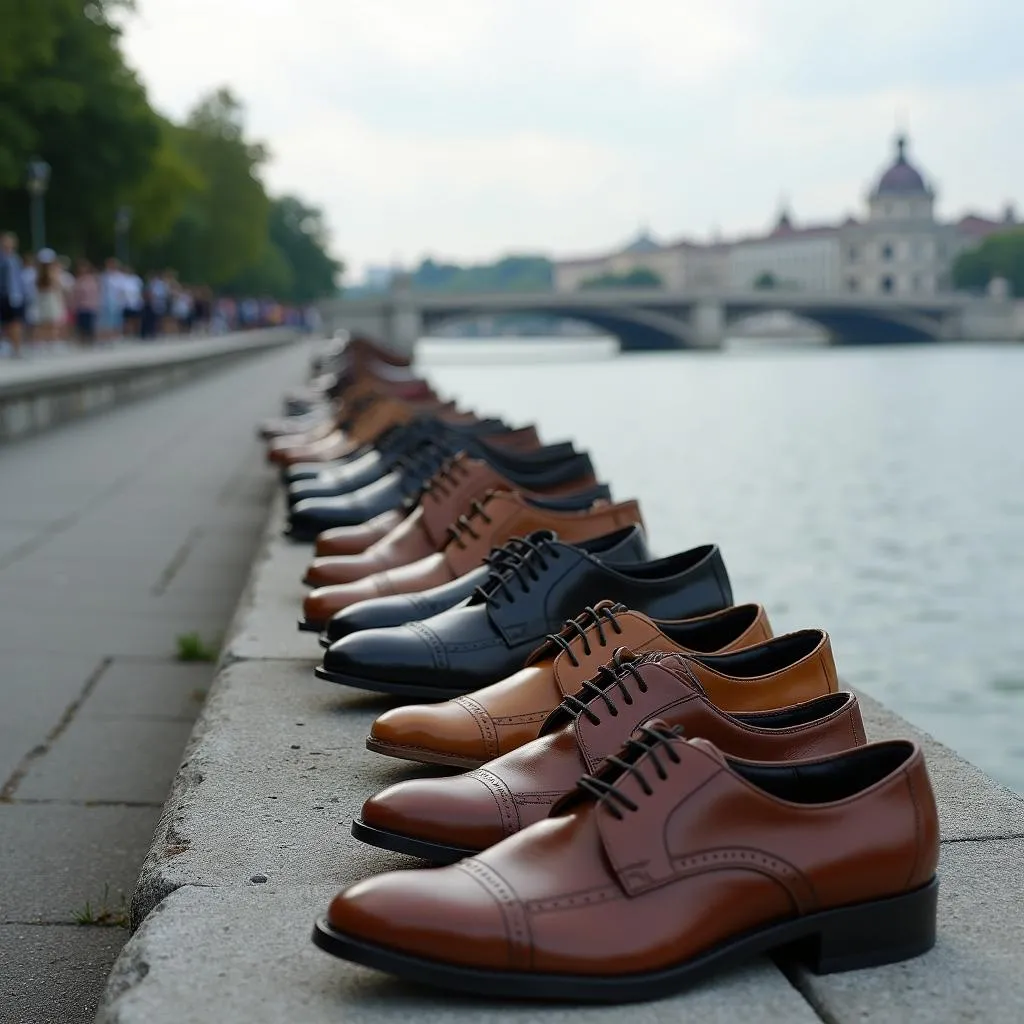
<point>46,388</point>
<point>118,533</point>
<point>254,841</point>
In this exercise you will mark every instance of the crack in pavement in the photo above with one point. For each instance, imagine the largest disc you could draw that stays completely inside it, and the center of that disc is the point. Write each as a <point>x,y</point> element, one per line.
<point>17,776</point>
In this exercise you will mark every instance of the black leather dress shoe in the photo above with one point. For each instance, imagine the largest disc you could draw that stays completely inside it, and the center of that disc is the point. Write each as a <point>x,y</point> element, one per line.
<point>537,470</point>
<point>529,596</point>
<point>344,477</point>
<point>623,547</point>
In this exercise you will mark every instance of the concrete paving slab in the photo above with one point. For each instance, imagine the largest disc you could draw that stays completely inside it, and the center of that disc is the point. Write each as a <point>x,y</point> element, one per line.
<point>36,692</point>
<point>245,954</point>
<point>53,973</point>
<point>87,762</point>
<point>273,778</point>
<point>267,623</point>
<point>972,974</point>
<point>57,857</point>
<point>971,804</point>
<point>149,689</point>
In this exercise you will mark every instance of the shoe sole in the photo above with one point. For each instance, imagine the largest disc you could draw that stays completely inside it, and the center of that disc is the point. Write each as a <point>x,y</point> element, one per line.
<point>422,756</point>
<point>424,849</point>
<point>843,939</point>
<point>419,693</point>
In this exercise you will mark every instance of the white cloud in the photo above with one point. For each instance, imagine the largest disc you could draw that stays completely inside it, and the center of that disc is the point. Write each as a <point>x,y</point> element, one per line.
<point>467,127</point>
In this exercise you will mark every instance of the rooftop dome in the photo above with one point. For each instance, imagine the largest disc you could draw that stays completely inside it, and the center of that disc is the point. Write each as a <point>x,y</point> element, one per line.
<point>902,178</point>
<point>643,242</point>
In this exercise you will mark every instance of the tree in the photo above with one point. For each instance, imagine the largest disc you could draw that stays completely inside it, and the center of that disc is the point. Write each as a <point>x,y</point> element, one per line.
<point>299,235</point>
<point>999,255</point>
<point>521,273</point>
<point>223,227</point>
<point>69,98</point>
<point>638,277</point>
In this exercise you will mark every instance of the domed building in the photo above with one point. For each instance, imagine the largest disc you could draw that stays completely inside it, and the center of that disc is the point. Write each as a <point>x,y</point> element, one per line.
<point>898,249</point>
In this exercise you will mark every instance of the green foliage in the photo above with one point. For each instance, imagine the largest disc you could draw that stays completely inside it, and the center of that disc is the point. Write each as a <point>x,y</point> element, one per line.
<point>198,202</point>
<point>999,255</point>
<point>192,647</point>
<point>638,277</point>
<point>70,99</point>
<point>299,235</point>
<point>511,274</point>
<point>104,915</point>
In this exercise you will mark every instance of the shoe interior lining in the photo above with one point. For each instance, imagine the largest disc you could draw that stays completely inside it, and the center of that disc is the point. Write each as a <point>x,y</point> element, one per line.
<point>798,714</point>
<point>826,781</point>
<point>771,656</point>
<point>712,634</point>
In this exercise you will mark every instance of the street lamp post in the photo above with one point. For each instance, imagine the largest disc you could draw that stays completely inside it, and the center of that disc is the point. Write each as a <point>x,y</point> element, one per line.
<point>37,183</point>
<point>122,225</point>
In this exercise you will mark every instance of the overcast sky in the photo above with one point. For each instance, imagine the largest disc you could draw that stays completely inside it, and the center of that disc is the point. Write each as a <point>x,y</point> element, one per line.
<point>469,128</point>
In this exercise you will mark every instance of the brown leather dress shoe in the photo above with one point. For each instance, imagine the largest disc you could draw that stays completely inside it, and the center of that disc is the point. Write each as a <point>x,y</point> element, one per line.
<point>446,819</point>
<point>354,540</point>
<point>435,521</point>
<point>469,731</point>
<point>441,493</point>
<point>494,521</point>
<point>675,861</point>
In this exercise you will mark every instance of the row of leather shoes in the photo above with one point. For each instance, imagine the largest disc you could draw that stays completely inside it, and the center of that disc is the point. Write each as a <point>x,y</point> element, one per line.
<point>652,785</point>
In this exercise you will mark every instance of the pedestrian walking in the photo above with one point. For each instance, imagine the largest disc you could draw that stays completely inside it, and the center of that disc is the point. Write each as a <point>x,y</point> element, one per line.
<point>12,291</point>
<point>86,303</point>
<point>50,292</point>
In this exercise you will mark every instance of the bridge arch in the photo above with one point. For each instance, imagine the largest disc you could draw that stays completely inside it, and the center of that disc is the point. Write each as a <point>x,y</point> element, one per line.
<point>848,325</point>
<point>637,330</point>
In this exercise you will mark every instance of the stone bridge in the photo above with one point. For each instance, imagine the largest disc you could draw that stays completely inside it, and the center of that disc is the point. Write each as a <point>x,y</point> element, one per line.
<point>646,320</point>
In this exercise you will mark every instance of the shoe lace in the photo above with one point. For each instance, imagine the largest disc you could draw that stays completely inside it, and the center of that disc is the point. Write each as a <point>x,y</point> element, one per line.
<point>464,524</point>
<point>589,619</point>
<point>523,559</point>
<point>419,465</point>
<point>446,479</point>
<point>646,747</point>
<point>608,677</point>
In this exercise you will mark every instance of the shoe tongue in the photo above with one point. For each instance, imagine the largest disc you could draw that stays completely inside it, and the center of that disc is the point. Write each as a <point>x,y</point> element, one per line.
<point>707,747</point>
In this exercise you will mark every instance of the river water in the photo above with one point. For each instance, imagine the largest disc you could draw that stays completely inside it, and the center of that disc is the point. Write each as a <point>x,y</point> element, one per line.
<point>878,493</point>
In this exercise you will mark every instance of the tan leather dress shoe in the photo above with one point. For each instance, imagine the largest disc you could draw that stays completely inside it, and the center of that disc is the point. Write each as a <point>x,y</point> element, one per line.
<point>445,512</point>
<point>446,819</point>
<point>468,731</point>
<point>494,521</point>
<point>675,861</point>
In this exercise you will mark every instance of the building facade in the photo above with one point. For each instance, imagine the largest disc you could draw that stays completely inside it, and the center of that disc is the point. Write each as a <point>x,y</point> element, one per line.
<point>899,248</point>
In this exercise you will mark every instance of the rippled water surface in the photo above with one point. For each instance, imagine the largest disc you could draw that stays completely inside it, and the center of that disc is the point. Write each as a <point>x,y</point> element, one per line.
<point>878,493</point>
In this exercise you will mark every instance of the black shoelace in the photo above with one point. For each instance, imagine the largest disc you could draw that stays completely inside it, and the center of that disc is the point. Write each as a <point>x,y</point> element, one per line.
<point>464,524</point>
<point>590,618</point>
<point>420,465</point>
<point>608,677</point>
<point>523,559</point>
<point>646,749</point>
<point>446,479</point>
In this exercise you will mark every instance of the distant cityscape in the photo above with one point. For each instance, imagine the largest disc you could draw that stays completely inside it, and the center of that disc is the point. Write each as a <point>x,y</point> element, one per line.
<point>898,247</point>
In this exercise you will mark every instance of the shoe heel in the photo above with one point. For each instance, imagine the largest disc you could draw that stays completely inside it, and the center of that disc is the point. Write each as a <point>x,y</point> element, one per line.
<point>879,932</point>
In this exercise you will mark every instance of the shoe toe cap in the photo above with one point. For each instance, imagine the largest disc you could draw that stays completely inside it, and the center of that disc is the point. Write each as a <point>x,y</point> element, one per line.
<point>397,654</point>
<point>438,913</point>
<point>457,811</point>
<point>326,601</point>
<point>445,729</point>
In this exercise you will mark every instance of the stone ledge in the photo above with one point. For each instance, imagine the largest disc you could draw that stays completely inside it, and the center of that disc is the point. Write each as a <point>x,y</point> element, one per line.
<point>244,954</point>
<point>274,774</point>
<point>38,395</point>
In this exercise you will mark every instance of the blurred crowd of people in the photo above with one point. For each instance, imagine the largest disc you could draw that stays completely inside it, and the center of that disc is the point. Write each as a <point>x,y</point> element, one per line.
<point>45,299</point>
